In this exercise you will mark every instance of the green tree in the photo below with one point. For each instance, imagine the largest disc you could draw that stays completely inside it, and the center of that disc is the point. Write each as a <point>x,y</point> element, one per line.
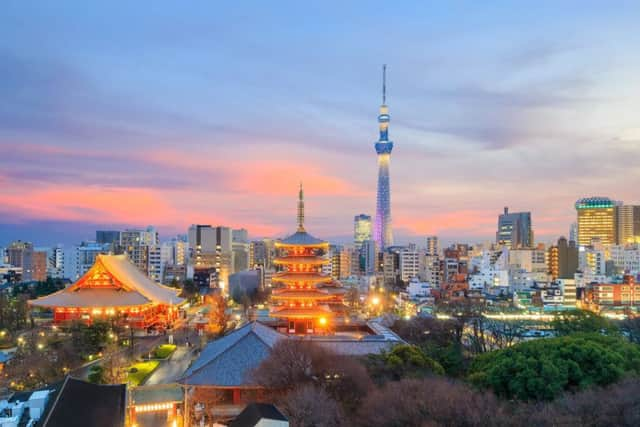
<point>403,361</point>
<point>582,321</point>
<point>542,369</point>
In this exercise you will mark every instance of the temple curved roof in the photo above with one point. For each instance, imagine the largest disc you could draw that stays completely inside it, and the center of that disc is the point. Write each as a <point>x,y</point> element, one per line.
<point>112,281</point>
<point>301,238</point>
<point>301,277</point>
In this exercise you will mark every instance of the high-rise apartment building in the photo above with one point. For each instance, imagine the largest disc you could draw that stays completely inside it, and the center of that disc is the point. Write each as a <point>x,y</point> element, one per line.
<point>261,253</point>
<point>135,244</point>
<point>514,229</point>
<point>83,257</point>
<point>383,232</point>
<point>628,224</point>
<point>361,229</point>
<point>410,261</point>
<point>20,254</point>
<point>597,219</point>
<point>433,246</point>
<point>55,264</point>
<point>562,259</point>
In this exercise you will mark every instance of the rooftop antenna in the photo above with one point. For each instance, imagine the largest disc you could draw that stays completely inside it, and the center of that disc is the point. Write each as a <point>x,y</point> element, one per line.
<point>384,84</point>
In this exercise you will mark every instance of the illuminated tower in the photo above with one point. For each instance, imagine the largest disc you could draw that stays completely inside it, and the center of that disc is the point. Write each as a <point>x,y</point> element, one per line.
<point>305,298</point>
<point>383,234</point>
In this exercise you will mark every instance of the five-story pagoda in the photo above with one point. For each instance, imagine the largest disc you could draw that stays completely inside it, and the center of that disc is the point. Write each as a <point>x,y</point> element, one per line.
<point>304,296</point>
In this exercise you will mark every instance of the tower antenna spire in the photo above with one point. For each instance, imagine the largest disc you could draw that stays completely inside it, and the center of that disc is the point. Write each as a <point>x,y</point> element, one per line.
<point>384,84</point>
<point>301,209</point>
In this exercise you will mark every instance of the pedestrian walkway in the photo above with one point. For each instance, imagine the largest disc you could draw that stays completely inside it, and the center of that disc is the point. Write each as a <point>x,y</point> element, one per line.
<point>171,369</point>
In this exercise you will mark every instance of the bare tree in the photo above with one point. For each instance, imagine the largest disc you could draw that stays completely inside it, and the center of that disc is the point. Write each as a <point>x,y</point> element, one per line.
<point>311,406</point>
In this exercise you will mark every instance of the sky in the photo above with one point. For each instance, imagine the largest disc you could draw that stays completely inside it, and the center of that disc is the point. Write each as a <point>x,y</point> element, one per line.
<point>127,114</point>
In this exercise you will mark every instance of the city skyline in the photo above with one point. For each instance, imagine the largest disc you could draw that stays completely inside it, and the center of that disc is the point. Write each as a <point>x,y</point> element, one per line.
<point>203,139</point>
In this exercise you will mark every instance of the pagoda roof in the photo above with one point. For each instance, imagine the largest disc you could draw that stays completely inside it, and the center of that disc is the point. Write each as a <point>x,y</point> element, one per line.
<point>301,238</point>
<point>302,313</point>
<point>300,277</point>
<point>301,260</point>
<point>299,294</point>
<point>112,281</point>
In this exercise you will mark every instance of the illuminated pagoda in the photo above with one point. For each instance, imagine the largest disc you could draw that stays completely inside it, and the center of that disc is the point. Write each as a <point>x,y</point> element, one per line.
<point>308,300</point>
<point>114,288</point>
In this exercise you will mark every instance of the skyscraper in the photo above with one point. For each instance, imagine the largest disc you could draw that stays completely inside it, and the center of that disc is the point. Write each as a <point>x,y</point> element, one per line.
<point>597,218</point>
<point>514,229</point>
<point>383,233</point>
<point>361,229</point>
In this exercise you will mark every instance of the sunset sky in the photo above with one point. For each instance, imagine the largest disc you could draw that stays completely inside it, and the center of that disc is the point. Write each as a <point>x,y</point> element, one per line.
<point>128,114</point>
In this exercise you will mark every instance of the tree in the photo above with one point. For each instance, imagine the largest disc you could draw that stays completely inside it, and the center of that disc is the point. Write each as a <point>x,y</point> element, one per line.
<point>434,401</point>
<point>190,290</point>
<point>630,328</point>
<point>294,364</point>
<point>218,317</point>
<point>439,339</point>
<point>582,321</point>
<point>311,406</point>
<point>503,334</point>
<point>403,361</point>
<point>542,369</point>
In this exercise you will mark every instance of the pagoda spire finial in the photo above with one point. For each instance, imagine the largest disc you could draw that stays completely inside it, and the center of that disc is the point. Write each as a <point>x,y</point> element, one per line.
<point>301,209</point>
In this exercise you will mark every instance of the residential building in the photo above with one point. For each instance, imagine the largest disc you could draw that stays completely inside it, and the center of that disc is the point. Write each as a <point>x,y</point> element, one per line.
<point>514,229</point>
<point>20,254</point>
<point>369,254</point>
<point>83,257</point>
<point>409,263</point>
<point>211,254</point>
<point>240,235</point>
<point>55,266</point>
<point>135,244</point>
<point>433,246</point>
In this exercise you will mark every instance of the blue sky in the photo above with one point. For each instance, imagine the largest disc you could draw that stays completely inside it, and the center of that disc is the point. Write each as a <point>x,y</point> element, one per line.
<point>122,114</point>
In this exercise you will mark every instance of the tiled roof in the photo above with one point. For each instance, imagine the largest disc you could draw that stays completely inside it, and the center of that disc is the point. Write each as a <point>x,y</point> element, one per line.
<point>255,412</point>
<point>302,238</point>
<point>227,361</point>
<point>136,288</point>
<point>80,403</point>
<point>91,297</point>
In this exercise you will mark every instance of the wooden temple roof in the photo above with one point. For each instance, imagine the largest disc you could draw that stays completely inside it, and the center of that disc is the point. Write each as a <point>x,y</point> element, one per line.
<point>112,281</point>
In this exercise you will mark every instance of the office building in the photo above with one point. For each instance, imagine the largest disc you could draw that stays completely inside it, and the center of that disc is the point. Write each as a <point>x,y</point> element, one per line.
<point>82,258</point>
<point>240,235</point>
<point>211,254</point>
<point>628,224</point>
<point>111,237</point>
<point>562,259</point>
<point>383,232</point>
<point>361,229</point>
<point>514,230</point>
<point>597,219</point>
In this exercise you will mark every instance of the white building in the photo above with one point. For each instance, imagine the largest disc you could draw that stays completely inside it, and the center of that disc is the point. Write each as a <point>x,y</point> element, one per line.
<point>409,263</point>
<point>417,289</point>
<point>81,257</point>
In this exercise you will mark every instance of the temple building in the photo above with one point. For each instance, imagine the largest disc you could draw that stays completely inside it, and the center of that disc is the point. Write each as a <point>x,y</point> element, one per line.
<point>305,300</point>
<point>114,288</point>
